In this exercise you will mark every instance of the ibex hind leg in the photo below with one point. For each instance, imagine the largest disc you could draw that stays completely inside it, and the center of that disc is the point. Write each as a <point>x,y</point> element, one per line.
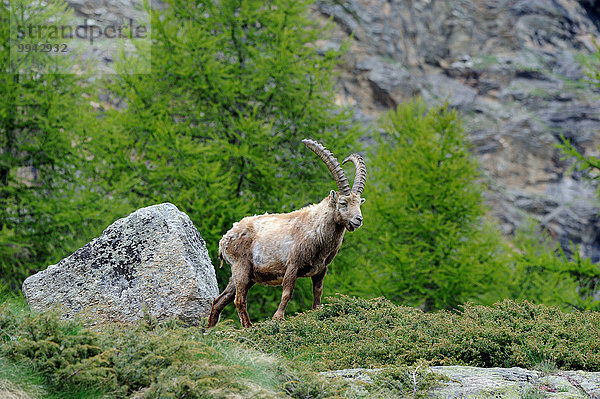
<point>226,297</point>
<point>243,283</point>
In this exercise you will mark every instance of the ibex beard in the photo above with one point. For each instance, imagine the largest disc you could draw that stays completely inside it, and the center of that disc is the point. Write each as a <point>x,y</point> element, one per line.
<point>277,249</point>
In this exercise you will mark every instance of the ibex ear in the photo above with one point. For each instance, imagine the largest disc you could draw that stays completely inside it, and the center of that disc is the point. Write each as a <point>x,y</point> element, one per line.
<point>333,195</point>
<point>362,200</point>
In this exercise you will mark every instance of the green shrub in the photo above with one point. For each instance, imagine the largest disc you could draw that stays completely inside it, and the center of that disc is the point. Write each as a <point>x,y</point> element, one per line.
<point>62,352</point>
<point>405,382</point>
<point>350,332</point>
<point>158,360</point>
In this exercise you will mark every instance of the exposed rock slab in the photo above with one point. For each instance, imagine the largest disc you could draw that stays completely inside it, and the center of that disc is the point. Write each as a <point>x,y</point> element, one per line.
<point>502,383</point>
<point>153,260</point>
<point>513,69</point>
<point>514,382</point>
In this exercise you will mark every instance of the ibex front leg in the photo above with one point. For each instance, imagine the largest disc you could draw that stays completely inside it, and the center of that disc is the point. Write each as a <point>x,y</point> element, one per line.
<point>289,281</point>
<point>220,302</point>
<point>318,288</point>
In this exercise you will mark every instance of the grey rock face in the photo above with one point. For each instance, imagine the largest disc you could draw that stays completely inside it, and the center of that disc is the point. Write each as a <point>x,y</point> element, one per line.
<point>153,260</point>
<point>512,68</point>
<point>504,383</point>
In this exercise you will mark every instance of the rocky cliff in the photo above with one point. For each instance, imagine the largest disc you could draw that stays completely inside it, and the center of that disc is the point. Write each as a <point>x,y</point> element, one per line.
<point>513,68</point>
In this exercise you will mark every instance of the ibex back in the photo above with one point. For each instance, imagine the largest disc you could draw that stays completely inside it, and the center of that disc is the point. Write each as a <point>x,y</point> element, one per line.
<point>277,249</point>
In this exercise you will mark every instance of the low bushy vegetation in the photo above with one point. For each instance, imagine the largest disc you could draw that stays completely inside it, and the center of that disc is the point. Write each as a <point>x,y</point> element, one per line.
<point>147,360</point>
<point>48,357</point>
<point>43,356</point>
<point>351,332</point>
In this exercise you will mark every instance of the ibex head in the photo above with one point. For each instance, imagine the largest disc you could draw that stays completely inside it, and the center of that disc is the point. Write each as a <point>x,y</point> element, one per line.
<point>345,201</point>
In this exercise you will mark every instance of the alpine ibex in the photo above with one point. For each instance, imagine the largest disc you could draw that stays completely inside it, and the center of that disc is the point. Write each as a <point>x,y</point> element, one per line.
<point>276,249</point>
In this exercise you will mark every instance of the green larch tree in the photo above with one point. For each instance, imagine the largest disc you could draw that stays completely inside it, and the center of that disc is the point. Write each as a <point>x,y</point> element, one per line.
<point>424,241</point>
<point>43,214</point>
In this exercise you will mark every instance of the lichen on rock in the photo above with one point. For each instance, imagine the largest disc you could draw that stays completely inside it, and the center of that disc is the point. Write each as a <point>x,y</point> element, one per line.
<point>503,383</point>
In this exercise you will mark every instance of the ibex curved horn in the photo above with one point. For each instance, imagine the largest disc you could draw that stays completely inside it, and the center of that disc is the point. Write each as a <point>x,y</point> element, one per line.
<point>332,164</point>
<point>360,172</point>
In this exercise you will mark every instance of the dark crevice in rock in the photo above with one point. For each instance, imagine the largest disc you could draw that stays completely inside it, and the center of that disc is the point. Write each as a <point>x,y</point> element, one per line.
<point>592,8</point>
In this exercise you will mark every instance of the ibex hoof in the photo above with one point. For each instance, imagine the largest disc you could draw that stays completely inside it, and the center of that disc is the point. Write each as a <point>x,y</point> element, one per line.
<point>278,317</point>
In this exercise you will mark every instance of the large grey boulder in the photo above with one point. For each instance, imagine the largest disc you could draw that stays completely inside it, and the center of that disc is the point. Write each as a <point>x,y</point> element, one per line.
<point>153,260</point>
